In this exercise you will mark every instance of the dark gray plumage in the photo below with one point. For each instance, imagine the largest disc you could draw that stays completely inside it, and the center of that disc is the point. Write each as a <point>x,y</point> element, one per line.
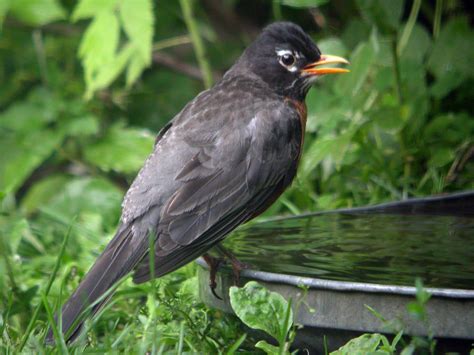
<point>220,162</point>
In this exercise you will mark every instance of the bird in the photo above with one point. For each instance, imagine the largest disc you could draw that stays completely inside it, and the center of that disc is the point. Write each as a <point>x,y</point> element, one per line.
<point>221,161</point>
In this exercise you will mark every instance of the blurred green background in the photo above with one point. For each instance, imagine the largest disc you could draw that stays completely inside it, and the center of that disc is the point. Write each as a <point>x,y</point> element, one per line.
<point>86,85</point>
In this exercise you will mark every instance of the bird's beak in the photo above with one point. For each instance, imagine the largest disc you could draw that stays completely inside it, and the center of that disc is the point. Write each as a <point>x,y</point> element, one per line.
<point>311,69</point>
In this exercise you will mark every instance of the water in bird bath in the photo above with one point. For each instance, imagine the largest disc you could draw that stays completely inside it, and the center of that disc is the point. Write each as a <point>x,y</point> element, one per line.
<point>363,247</point>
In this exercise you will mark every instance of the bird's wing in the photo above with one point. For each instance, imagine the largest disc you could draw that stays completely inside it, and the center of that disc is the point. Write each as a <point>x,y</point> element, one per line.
<point>224,184</point>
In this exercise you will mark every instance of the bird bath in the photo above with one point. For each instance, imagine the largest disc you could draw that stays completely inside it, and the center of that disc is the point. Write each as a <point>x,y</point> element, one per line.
<point>350,258</point>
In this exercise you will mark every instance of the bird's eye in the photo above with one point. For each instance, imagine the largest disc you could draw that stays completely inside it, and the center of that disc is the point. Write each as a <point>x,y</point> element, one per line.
<point>287,59</point>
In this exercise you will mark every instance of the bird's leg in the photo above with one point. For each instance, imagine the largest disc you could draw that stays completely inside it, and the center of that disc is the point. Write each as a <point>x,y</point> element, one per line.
<point>237,265</point>
<point>213,264</point>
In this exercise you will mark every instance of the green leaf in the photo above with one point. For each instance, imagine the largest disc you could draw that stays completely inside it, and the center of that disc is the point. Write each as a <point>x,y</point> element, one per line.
<point>355,32</point>
<point>102,61</point>
<point>441,157</point>
<point>4,7</point>
<point>22,154</point>
<point>364,344</point>
<point>333,46</point>
<point>325,148</point>
<point>108,73</point>
<point>453,53</point>
<point>326,111</point>
<point>268,348</point>
<point>416,310</point>
<point>98,47</point>
<point>304,3</point>
<point>418,44</point>
<point>422,296</point>
<point>90,8</point>
<point>135,68</point>
<point>16,230</point>
<point>362,59</point>
<point>261,309</point>
<point>137,20</point>
<point>92,195</point>
<point>42,192</point>
<point>37,12</point>
<point>384,14</point>
<point>40,108</point>
<point>81,126</point>
<point>445,84</point>
<point>121,149</point>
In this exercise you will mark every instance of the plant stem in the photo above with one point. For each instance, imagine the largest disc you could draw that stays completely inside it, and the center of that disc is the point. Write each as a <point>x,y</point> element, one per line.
<point>276,9</point>
<point>437,18</point>
<point>41,56</point>
<point>415,9</point>
<point>197,41</point>
<point>396,71</point>
<point>171,42</point>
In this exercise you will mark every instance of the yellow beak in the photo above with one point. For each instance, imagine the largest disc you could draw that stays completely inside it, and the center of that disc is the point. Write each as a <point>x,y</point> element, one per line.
<point>326,59</point>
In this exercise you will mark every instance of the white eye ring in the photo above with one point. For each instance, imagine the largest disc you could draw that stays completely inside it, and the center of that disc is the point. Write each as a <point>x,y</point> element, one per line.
<point>287,59</point>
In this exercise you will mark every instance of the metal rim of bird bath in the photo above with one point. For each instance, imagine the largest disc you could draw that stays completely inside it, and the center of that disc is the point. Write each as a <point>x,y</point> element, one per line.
<point>341,305</point>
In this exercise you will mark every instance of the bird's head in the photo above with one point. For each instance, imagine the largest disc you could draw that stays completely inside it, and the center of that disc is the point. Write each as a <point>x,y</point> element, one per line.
<point>288,60</point>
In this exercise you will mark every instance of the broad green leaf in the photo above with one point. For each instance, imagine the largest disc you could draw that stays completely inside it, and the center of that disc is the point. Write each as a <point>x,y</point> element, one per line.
<point>362,345</point>
<point>445,84</point>
<point>418,44</point>
<point>389,119</point>
<point>304,3</point>
<point>91,195</point>
<point>109,72</point>
<point>441,157</point>
<point>121,149</point>
<point>268,348</point>
<point>333,46</point>
<point>15,229</point>
<point>355,32</point>
<point>362,59</point>
<point>449,128</point>
<point>98,47</point>
<point>23,153</point>
<point>42,192</point>
<point>90,8</point>
<point>37,12</point>
<point>136,66</point>
<point>261,309</point>
<point>385,14</point>
<point>326,147</point>
<point>4,7</point>
<point>81,126</point>
<point>40,108</point>
<point>453,54</point>
<point>326,111</point>
<point>137,20</point>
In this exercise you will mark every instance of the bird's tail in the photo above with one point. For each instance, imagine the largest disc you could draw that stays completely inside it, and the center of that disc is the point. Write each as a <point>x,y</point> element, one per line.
<point>120,256</point>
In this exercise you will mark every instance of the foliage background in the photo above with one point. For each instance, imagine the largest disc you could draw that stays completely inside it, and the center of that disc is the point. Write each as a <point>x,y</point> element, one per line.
<point>85,86</point>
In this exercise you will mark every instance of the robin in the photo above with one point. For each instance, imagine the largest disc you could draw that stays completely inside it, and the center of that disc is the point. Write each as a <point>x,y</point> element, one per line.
<point>223,160</point>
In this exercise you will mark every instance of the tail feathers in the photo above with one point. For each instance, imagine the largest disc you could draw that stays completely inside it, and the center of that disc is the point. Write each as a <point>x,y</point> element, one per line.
<point>121,255</point>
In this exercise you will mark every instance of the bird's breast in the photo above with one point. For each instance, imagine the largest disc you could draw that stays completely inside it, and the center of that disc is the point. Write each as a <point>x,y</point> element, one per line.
<point>302,110</point>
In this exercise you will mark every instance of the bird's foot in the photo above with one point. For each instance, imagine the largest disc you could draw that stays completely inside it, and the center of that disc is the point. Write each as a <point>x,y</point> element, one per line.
<point>213,264</point>
<point>237,265</point>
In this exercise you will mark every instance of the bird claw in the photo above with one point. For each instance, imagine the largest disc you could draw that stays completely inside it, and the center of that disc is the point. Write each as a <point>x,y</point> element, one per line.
<point>237,265</point>
<point>213,264</point>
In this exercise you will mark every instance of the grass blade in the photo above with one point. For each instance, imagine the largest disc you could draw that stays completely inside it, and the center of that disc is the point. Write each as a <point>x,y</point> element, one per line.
<point>32,322</point>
